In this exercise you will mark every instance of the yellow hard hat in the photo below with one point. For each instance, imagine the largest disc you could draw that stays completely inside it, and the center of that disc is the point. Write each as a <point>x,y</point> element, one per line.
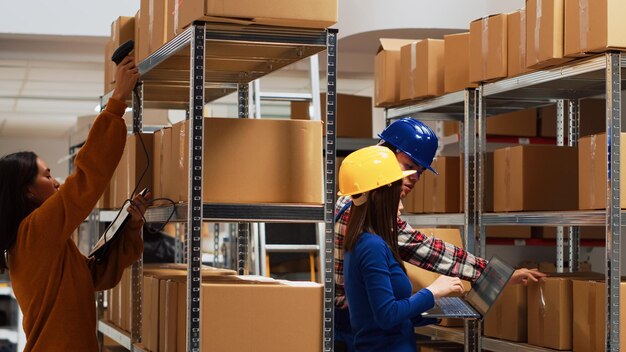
<point>367,169</point>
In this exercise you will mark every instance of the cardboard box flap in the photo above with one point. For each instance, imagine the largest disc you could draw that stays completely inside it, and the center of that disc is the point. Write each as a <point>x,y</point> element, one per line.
<point>488,16</point>
<point>393,44</point>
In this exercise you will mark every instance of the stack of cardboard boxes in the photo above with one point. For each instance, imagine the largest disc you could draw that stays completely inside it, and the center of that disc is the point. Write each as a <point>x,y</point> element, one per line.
<point>159,21</point>
<point>283,311</point>
<point>546,33</point>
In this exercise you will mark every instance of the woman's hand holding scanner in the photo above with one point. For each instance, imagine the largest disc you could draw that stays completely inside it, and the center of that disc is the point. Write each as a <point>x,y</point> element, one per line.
<point>126,77</point>
<point>445,285</point>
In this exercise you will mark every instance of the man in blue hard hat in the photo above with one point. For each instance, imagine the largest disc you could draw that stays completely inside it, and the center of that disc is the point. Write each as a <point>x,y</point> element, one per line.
<point>415,145</point>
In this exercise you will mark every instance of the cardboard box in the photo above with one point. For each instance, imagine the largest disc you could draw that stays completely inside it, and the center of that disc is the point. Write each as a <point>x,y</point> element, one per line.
<point>544,33</point>
<point>109,67</point>
<point>456,59</point>
<point>353,115</point>
<point>592,172</point>
<point>122,30</point>
<point>140,172</point>
<point>488,48</point>
<point>535,177</point>
<point>167,163</point>
<point>422,69</point>
<point>487,179</point>
<point>508,317</point>
<point>589,316</point>
<point>594,26</point>
<point>131,168</point>
<point>288,312</point>
<point>150,313</point>
<point>284,166</point>
<point>592,118</point>
<point>550,310</point>
<point>121,179</point>
<point>157,160</point>
<point>441,192</point>
<point>508,232</point>
<point>421,278</point>
<point>516,24</point>
<point>520,123</point>
<point>180,160</point>
<point>414,201</point>
<point>142,41</point>
<point>442,348</point>
<point>387,72</point>
<point>125,301</point>
<point>305,13</point>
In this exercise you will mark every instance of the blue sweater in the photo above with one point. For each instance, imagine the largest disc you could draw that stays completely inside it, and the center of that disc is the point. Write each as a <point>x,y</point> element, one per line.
<point>379,297</point>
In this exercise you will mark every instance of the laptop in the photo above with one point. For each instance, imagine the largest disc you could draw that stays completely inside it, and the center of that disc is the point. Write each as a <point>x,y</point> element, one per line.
<point>477,302</point>
<point>112,231</point>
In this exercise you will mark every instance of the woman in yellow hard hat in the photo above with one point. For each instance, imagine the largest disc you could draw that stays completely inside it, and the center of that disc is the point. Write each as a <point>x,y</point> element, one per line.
<point>382,310</point>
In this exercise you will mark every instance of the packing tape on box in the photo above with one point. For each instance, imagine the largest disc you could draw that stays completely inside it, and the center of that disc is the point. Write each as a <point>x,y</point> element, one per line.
<point>165,23</point>
<point>413,68</point>
<point>592,167</point>
<point>150,26</point>
<point>521,57</point>
<point>538,15</point>
<point>542,310</point>
<point>507,179</point>
<point>583,12</point>
<point>177,4</point>
<point>484,47</point>
<point>181,146</point>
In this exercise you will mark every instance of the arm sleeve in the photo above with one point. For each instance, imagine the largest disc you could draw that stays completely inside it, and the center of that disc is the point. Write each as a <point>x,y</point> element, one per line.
<point>388,311</point>
<point>436,255</point>
<point>95,163</point>
<point>126,250</point>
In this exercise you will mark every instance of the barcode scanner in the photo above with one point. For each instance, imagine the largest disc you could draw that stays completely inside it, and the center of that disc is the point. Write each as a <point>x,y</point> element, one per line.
<point>122,51</point>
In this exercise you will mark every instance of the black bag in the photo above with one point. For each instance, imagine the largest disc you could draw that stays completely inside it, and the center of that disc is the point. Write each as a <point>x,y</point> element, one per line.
<point>158,246</point>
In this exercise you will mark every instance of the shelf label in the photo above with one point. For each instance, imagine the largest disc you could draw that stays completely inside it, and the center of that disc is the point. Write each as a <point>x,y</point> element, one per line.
<point>519,242</point>
<point>524,141</point>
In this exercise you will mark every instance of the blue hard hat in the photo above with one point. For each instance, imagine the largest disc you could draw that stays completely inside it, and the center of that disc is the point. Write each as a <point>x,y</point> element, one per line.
<point>414,139</point>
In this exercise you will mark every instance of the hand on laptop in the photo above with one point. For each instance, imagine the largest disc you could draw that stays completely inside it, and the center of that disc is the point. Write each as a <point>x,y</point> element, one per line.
<point>137,208</point>
<point>523,275</point>
<point>445,285</point>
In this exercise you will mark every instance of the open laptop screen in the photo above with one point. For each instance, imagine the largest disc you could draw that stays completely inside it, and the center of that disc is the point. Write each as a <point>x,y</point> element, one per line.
<point>489,285</point>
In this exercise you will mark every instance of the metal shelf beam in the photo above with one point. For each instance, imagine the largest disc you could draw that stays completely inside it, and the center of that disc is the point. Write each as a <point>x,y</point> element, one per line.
<point>489,344</point>
<point>434,219</point>
<point>452,103</point>
<point>550,218</point>
<point>219,212</point>
<point>118,335</point>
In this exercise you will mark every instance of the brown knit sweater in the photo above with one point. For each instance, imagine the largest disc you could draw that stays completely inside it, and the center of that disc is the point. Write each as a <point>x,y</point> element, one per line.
<point>53,282</point>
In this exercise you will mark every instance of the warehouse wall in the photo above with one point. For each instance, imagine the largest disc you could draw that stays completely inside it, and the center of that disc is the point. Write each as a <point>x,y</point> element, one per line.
<point>48,149</point>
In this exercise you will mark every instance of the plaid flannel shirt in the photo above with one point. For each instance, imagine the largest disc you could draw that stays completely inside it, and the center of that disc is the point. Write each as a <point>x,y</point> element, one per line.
<point>416,248</point>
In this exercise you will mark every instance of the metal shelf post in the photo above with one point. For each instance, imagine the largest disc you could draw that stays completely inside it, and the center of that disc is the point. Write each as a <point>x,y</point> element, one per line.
<point>613,208</point>
<point>471,200</point>
<point>330,189</point>
<point>560,141</point>
<point>243,229</point>
<point>194,210</point>
<point>572,140</point>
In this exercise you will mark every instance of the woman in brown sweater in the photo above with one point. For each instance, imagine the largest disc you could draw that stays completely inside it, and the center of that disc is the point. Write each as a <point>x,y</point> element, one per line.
<point>53,282</point>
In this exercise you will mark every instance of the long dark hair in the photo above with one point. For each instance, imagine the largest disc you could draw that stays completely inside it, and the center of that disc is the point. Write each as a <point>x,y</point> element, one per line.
<point>17,172</point>
<point>379,213</point>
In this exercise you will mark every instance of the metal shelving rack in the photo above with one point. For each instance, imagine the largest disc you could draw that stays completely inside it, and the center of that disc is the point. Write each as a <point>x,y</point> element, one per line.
<point>600,75</point>
<point>205,62</point>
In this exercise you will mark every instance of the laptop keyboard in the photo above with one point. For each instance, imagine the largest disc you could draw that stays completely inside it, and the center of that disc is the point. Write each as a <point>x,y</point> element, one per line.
<point>454,306</point>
